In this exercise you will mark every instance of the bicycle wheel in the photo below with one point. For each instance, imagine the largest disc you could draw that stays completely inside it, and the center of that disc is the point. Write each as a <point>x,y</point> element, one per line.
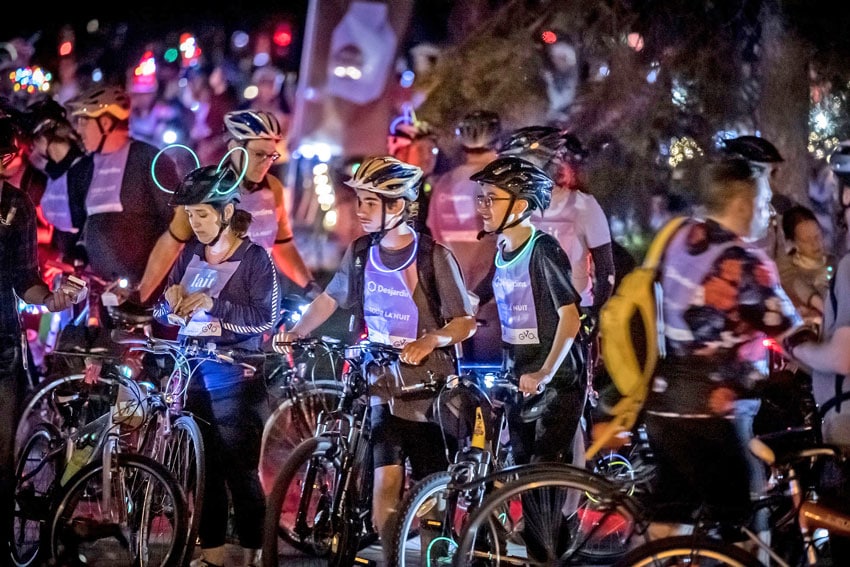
<point>40,407</point>
<point>293,421</point>
<point>39,466</point>
<point>688,550</point>
<point>182,453</point>
<point>145,524</point>
<point>546,519</point>
<point>419,530</point>
<point>298,508</point>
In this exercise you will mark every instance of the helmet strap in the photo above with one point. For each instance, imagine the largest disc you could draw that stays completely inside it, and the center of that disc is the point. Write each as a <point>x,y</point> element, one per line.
<point>223,224</point>
<point>504,225</point>
<point>104,134</point>
<point>378,236</point>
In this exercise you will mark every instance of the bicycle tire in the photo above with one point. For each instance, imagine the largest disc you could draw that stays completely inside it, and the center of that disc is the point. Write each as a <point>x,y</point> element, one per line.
<point>293,421</point>
<point>406,525</point>
<point>68,531</point>
<point>548,534</point>
<point>696,549</point>
<point>184,458</point>
<point>35,403</point>
<point>33,498</point>
<point>303,467</point>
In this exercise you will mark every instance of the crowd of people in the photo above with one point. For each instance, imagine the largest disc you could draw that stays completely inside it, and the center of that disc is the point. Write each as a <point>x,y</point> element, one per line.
<point>506,257</point>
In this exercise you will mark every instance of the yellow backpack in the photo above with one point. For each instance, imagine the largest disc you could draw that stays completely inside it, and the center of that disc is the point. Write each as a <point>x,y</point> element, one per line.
<point>631,336</point>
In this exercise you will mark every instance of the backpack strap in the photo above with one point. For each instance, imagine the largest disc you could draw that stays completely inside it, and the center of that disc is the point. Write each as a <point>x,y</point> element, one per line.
<point>424,268</point>
<point>659,243</point>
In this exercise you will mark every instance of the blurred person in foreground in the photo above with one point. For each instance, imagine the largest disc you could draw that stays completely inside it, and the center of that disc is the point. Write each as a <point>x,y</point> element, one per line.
<point>19,279</point>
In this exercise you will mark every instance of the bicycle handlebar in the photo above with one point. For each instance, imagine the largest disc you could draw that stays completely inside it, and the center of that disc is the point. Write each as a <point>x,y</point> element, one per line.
<point>165,346</point>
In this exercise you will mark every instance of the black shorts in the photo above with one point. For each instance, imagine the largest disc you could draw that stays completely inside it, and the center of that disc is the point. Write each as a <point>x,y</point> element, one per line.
<point>395,439</point>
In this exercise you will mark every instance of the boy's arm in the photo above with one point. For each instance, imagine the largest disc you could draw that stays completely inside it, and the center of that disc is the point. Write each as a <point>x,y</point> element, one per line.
<point>456,330</point>
<point>317,313</point>
<point>565,334</point>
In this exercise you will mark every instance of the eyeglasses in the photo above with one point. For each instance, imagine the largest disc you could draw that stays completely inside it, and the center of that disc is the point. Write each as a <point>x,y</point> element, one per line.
<point>487,201</point>
<point>263,156</point>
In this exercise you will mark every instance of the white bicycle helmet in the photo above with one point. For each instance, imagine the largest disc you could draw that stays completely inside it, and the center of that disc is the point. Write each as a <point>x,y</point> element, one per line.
<point>253,125</point>
<point>101,100</point>
<point>388,177</point>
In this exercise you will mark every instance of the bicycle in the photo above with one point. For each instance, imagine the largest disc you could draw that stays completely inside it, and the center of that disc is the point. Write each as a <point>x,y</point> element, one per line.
<point>808,515</point>
<point>321,500</point>
<point>170,435</point>
<point>435,506</point>
<point>95,499</point>
<point>305,385</point>
<point>79,364</point>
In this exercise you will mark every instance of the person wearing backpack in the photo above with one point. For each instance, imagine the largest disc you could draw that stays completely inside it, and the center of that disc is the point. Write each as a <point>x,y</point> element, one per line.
<point>410,293</point>
<point>721,299</point>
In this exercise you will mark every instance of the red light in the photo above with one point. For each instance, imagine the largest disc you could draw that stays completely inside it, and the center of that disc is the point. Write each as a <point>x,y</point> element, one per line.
<point>549,37</point>
<point>65,48</point>
<point>770,344</point>
<point>282,35</point>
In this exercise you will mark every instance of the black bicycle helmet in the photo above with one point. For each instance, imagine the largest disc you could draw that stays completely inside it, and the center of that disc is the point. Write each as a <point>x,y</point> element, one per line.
<point>752,148</point>
<point>839,159</point>
<point>388,177</point>
<point>546,147</point>
<point>519,177</point>
<point>48,118</point>
<point>207,185</point>
<point>479,130</point>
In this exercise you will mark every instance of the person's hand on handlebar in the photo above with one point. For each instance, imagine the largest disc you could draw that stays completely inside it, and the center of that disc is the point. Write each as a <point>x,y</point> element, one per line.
<point>415,352</point>
<point>534,382</point>
<point>282,340</point>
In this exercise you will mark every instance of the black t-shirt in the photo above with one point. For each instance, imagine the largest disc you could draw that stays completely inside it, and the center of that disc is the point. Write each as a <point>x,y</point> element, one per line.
<point>551,284</point>
<point>119,244</point>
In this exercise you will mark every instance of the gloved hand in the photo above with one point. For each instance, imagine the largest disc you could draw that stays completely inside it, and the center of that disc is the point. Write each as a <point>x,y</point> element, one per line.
<point>800,335</point>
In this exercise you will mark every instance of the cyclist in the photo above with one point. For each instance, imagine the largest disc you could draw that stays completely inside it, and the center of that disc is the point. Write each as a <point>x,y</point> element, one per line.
<point>765,155</point>
<point>411,294</point>
<point>722,298</point>
<point>68,170</point>
<point>538,311</point>
<point>262,194</point>
<point>122,194</point>
<point>19,279</point>
<point>224,288</point>
<point>452,221</point>
<point>414,141</point>
<point>574,218</point>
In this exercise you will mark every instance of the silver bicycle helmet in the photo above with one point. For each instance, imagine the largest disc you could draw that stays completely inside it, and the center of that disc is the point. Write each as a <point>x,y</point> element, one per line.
<point>253,125</point>
<point>387,177</point>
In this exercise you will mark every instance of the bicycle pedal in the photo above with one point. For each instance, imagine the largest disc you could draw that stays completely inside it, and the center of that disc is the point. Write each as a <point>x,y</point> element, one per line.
<point>365,562</point>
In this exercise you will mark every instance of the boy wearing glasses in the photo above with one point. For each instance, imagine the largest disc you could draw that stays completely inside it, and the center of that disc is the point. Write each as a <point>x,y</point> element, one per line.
<point>538,311</point>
